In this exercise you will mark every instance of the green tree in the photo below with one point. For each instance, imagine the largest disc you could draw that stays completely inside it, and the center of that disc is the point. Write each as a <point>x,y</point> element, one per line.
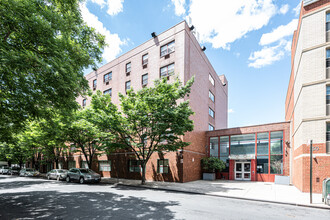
<point>151,120</point>
<point>44,48</point>
<point>86,133</point>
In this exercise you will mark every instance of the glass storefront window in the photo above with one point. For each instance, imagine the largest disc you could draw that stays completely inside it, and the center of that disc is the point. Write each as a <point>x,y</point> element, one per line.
<point>262,143</point>
<point>276,146</point>
<point>226,160</point>
<point>276,164</point>
<point>262,164</point>
<point>214,147</point>
<point>242,144</point>
<point>224,146</point>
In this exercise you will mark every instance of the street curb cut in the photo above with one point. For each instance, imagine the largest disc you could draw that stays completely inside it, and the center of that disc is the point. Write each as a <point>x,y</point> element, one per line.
<point>229,197</point>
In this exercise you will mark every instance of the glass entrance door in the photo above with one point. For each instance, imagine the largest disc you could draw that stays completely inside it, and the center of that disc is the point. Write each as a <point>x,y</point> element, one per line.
<point>242,171</point>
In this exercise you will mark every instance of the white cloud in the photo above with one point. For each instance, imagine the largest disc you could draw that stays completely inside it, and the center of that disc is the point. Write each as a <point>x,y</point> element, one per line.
<point>267,55</point>
<point>114,42</point>
<point>115,6</point>
<point>99,2</point>
<point>222,22</point>
<point>179,7</point>
<point>279,33</point>
<point>284,9</point>
<point>231,110</point>
<point>296,10</point>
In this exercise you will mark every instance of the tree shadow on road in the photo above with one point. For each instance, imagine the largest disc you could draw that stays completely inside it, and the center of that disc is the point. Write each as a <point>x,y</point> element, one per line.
<point>81,205</point>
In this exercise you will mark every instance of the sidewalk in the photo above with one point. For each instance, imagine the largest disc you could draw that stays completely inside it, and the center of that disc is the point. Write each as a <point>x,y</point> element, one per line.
<point>256,191</point>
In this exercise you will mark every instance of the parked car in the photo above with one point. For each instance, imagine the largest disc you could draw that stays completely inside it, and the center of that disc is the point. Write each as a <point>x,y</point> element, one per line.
<point>4,170</point>
<point>58,174</point>
<point>83,175</point>
<point>29,172</point>
<point>14,171</point>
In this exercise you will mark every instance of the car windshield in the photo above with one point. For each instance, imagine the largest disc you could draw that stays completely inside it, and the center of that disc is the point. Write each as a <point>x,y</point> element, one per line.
<point>29,169</point>
<point>87,171</point>
<point>61,171</point>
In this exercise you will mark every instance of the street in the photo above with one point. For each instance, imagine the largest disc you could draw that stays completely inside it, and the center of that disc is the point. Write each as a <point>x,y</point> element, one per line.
<point>31,198</point>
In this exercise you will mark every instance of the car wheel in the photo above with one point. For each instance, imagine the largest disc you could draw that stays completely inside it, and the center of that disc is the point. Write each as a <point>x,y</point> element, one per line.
<point>81,180</point>
<point>67,179</point>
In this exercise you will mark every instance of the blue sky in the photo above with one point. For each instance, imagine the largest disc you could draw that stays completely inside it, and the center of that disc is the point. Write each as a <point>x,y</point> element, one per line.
<point>247,40</point>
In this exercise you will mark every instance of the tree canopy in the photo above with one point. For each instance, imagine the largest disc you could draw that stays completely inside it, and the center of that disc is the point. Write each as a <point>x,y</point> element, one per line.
<point>44,48</point>
<point>150,120</point>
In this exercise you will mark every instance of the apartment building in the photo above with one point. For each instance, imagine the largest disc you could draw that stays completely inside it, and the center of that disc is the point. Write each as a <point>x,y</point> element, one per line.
<point>175,52</point>
<point>307,104</point>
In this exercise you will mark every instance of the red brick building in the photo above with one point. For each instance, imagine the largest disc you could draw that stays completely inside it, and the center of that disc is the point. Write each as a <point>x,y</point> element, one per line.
<point>175,51</point>
<point>255,153</point>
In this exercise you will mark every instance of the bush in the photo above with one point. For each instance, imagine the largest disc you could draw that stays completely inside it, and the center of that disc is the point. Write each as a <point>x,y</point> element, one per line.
<point>212,164</point>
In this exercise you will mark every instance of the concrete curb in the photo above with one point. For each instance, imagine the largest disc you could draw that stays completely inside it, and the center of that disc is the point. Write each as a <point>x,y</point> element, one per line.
<point>222,196</point>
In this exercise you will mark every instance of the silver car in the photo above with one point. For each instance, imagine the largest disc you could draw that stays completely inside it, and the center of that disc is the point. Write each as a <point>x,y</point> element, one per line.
<point>29,172</point>
<point>58,174</point>
<point>5,170</point>
<point>83,175</point>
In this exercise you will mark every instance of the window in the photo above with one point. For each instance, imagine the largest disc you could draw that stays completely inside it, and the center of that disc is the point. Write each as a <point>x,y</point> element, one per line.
<point>162,166</point>
<point>328,138</point>
<point>128,68</point>
<point>262,164</point>
<point>107,77</point>
<point>211,96</point>
<point>166,71</point>
<point>328,22</point>
<point>84,164</point>
<point>214,147</point>
<point>144,59</point>
<point>327,63</point>
<point>167,49</point>
<point>328,100</point>
<point>242,144</point>
<point>211,79</point>
<point>104,165</point>
<point>262,143</point>
<point>145,79</point>
<point>134,166</point>
<point>127,85</point>
<point>211,112</point>
<point>94,84</point>
<point>84,103</point>
<point>211,127</point>
<point>71,164</point>
<point>108,91</point>
<point>262,152</point>
<point>276,152</point>
<point>224,151</point>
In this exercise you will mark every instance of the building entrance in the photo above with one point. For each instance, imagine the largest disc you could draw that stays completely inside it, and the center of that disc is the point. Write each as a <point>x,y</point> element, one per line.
<point>243,171</point>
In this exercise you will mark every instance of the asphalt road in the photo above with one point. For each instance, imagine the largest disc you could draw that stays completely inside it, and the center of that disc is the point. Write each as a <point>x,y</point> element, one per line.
<point>32,198</point>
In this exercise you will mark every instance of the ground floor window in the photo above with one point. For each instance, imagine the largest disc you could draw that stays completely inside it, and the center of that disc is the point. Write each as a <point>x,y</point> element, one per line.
<point>105,165</point>
<point>71,164</point>
<point>276,164</point>
<point>134,166</point>
<point>162,166</point>
<point>262,164</point>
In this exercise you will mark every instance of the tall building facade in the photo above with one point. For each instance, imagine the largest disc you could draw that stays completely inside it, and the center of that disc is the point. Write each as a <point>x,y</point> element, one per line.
<point>175,52</point>
<point>307,104</point>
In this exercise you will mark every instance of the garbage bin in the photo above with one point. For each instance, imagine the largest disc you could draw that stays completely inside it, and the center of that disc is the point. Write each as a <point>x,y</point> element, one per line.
<point>326,191</point>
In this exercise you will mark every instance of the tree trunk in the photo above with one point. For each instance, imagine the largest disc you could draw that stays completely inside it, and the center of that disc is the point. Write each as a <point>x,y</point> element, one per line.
<point>143,173</point>
<point>56,163</point>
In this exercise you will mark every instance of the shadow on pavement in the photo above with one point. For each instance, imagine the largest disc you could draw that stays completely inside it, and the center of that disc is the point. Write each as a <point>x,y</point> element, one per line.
<point>77,205</point>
